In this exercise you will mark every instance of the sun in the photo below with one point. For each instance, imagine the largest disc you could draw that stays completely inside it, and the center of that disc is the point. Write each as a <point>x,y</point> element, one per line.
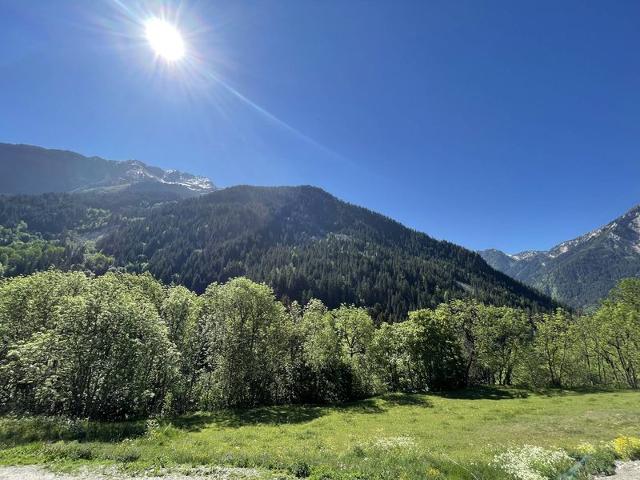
<point>165,39</point>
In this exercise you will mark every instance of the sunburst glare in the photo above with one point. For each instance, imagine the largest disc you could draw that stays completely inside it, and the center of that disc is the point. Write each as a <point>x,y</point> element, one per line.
<point>165,39</point>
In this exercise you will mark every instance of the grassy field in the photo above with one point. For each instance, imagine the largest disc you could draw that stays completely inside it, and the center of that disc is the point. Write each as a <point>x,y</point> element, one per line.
<point>394,436</point>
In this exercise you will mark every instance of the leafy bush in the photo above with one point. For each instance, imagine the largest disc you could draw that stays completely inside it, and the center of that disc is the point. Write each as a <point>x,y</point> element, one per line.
<point>600,462</point>
<point>68,451</point>
<point>126,453</point>
<point>300,469</point>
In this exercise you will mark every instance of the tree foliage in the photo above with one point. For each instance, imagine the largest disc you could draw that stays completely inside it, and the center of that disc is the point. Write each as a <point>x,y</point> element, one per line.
<point>124,346</point>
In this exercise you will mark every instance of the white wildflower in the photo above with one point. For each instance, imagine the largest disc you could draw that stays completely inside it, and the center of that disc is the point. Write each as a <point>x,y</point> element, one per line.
<point>388,443</point>
<point>533,463</point>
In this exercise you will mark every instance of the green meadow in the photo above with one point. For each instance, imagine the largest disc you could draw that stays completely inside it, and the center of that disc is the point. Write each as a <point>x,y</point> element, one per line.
<point>408,436</point>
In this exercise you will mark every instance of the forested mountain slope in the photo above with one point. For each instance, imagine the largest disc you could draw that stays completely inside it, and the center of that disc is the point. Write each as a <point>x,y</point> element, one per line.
<point>26,169</point>
<point>306,243</point>
<point>300,240</point>
<point>581,271</point>
<point>59,229</point>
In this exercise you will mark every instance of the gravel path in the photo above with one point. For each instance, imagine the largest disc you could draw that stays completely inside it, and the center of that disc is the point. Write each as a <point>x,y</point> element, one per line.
<point>626,471</point>
<point>39,473</point>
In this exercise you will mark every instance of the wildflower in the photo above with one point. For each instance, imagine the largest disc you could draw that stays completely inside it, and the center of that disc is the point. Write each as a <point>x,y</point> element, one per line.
<point>152,428</point>
<point>389,443</point>
<point>433,472</point>
<point>627,448</point>
<point>585,449</point>
<point>533,463</point>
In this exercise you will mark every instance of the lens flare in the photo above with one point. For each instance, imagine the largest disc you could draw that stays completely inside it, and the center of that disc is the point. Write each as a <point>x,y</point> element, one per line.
<point>165,39</point>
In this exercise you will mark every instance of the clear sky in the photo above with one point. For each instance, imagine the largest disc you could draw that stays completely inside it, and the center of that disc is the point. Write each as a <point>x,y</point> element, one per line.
<point>502,124</point>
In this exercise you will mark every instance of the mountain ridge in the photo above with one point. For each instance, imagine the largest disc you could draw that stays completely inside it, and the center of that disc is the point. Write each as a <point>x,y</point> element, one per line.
<point>67,171</point>
<point>593,262</point>
<point>302,241</point>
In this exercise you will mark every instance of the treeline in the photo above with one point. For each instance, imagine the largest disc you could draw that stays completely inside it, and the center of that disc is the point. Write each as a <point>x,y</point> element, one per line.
<point>124,346</point>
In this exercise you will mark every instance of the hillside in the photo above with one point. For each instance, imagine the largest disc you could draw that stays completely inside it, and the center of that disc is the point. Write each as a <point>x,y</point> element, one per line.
<point>26,169</point>
<point>581,271</point>
<point>300,240</point>
<point>306,243</point>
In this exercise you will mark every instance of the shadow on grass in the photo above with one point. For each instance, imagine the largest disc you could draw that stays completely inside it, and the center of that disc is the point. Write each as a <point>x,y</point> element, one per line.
<point>506,393</point>
<point>16,431</point>
<point>275,415</point>
<point>484,393</point>
<point>406,399</point>
<point>560,392</point>
<point>19,431</point>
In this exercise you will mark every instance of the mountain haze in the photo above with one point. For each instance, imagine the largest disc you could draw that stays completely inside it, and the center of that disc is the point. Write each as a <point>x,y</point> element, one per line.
<point>26,169</point>
<point>581,271</point>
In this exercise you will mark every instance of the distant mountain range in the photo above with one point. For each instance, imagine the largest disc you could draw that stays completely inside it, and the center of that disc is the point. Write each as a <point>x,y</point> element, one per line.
<point>300,240</point>
<point>581,271</point>
<point>26,169</point>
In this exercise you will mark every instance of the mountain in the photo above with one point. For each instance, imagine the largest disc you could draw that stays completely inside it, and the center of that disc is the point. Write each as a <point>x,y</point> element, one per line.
<point>306,243</point>
<point>300,240</point>
<point>26,169</point>
<point>100,214</point>
<point>581,271</point>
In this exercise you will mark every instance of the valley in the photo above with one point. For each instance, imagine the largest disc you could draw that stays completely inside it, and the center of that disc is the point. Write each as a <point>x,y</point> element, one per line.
<point>158,328</point>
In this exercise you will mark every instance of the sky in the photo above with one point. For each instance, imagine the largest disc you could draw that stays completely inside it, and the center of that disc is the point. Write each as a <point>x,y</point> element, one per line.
<point>513,125</point>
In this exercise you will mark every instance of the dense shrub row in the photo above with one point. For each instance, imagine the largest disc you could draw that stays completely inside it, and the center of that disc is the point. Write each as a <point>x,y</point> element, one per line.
<point>123,345</point>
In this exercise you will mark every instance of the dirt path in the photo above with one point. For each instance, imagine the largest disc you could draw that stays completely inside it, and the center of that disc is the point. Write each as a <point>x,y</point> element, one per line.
<point>39,473</point>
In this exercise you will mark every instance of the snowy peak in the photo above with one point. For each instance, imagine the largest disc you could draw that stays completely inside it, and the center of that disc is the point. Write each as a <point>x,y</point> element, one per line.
<point>622,233</point>
<point>527,255</point>
<point>31,170</point>
<point>580,271</point>
<point>137,171</point>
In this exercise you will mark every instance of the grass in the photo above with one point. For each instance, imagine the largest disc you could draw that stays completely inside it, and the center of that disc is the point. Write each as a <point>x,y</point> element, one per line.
<point>394,436</point>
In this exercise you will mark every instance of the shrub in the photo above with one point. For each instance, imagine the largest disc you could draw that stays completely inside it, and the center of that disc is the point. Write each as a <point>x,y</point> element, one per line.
<point>300,469</point>
<point>127,455</point>
<point>67,451</point>
<point>601,462</point>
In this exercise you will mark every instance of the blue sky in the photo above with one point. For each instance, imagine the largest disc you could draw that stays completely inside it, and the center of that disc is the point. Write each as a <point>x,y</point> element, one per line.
<point>502,124</point>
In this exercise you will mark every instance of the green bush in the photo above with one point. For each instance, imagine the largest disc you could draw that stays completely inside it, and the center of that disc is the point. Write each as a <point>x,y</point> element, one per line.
<point>68,451</point>
<point>300,469</point>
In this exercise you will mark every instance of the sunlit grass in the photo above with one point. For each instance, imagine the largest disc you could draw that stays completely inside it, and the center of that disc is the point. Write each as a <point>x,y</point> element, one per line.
<point>394,436</point>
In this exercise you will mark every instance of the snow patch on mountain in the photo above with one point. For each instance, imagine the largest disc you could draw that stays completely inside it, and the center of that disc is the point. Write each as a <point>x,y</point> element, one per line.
<point>137,171</point>
<point>527,255</point>
<point>598,259</point>
<point>635,223</point>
